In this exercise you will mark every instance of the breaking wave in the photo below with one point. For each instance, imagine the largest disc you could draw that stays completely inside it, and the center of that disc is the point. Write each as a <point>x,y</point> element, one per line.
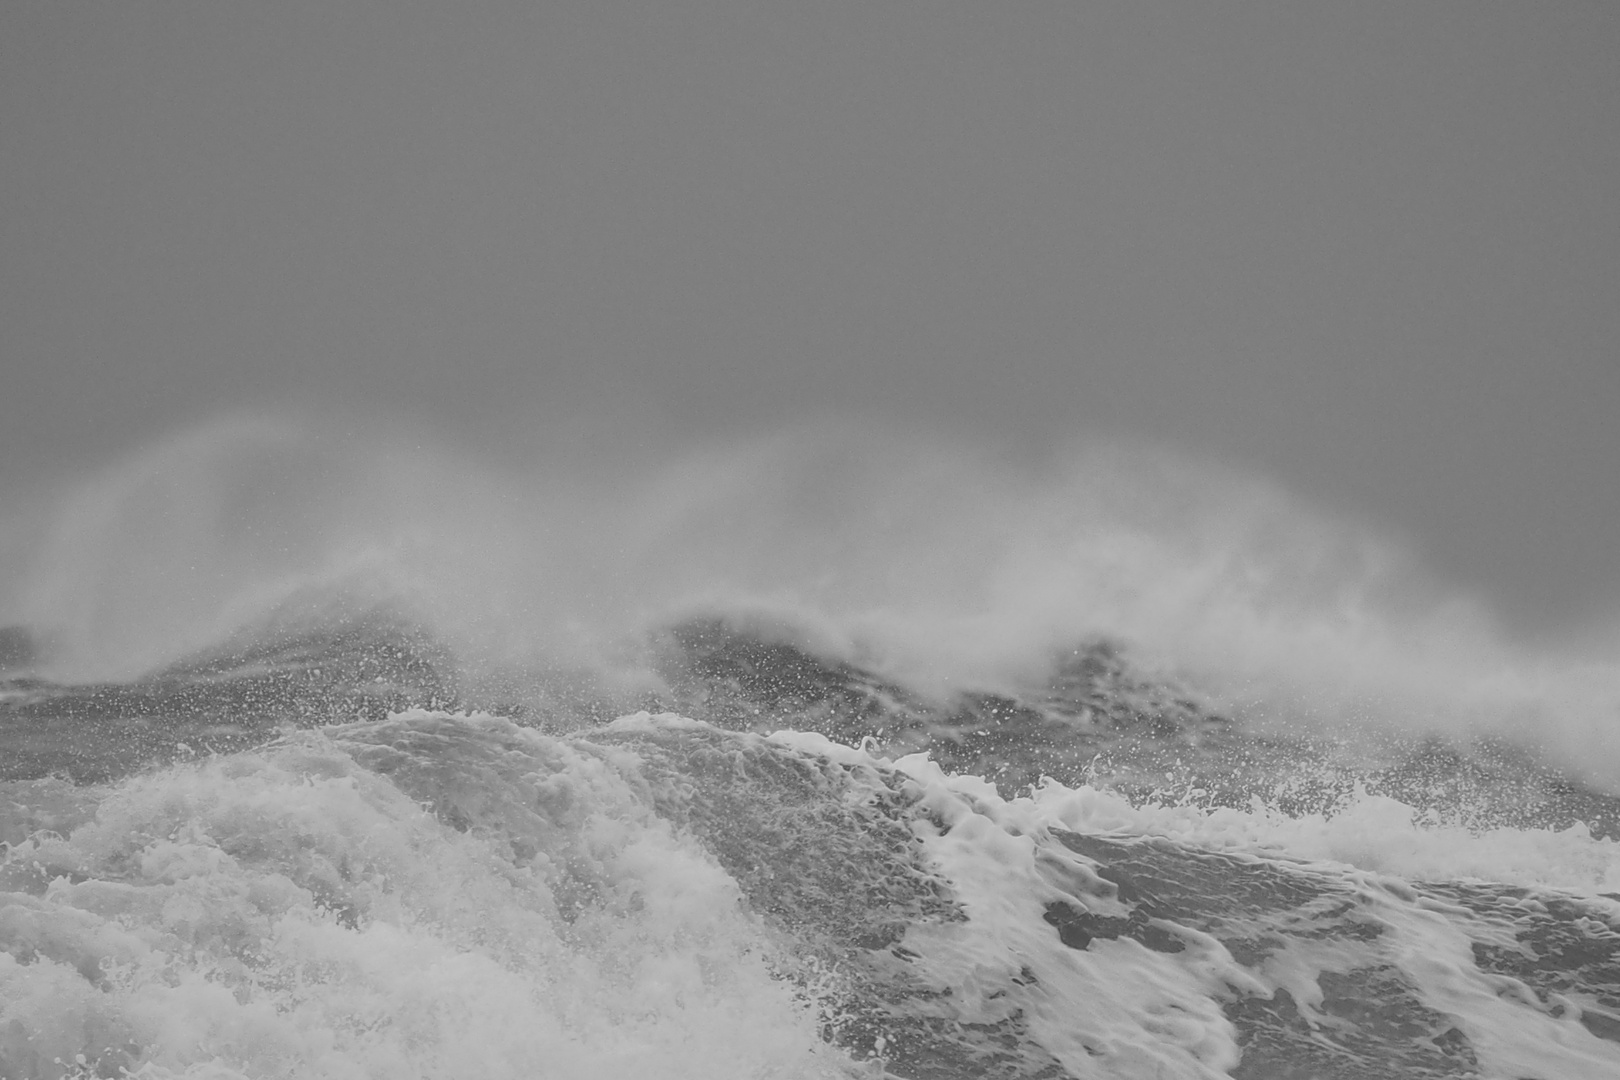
<point>937,564</point>
<point>832,754</point>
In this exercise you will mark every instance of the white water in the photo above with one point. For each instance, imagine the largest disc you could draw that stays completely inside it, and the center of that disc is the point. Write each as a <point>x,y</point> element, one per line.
<point>289,913</point>
<point>1153,1014</point>
<point>292,913</point>
<point>946,566</point>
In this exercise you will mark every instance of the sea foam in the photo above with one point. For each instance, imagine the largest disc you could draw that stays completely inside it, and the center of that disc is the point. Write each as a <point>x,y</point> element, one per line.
<point>943,564</point>
<point>290,913</point>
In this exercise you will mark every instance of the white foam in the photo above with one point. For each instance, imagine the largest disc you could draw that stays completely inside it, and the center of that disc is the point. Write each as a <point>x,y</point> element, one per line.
<point>288,913</point>
<point>1115,1009</point>
<point>1368,832</point>
<point>1511,1035</point>
<point>945,564</point>
<point>1369,845</point>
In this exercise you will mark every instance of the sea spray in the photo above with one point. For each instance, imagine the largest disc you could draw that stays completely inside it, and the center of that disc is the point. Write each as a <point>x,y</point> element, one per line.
<point>289,912</point>
<point>943,566</point>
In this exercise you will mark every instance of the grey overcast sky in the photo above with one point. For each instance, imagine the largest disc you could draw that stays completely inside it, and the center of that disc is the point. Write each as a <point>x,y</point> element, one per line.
<point>1368,249</point>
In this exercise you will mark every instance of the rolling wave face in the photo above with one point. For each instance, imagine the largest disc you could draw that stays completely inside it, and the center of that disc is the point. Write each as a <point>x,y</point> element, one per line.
<point>939,567</point>
<point>382,766</point>
<point>229,697</point>
<point>663,897</point>
<point>1094,718</point>
<point>291,912</point>
<point>674,895</point>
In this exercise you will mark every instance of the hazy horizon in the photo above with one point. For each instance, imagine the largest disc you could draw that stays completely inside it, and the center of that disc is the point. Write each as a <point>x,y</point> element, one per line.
<point>1369,253</point>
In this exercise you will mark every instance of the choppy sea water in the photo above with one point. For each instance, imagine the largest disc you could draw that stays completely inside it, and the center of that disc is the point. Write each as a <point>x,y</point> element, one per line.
<point>320,849</point>
<point>821,757</point>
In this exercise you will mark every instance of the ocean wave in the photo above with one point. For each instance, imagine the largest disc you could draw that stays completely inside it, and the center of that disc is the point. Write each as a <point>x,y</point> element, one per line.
<point>443,895</point>
<point>827,755</point>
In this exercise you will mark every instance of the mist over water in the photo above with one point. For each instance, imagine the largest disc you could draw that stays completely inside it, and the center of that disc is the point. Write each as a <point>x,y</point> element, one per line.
<point>941,563</point>
<point>809,541</point>
<point>336,756</point>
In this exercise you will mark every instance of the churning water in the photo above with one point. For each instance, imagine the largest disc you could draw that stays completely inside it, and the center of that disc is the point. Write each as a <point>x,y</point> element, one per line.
<point>821,757</point>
